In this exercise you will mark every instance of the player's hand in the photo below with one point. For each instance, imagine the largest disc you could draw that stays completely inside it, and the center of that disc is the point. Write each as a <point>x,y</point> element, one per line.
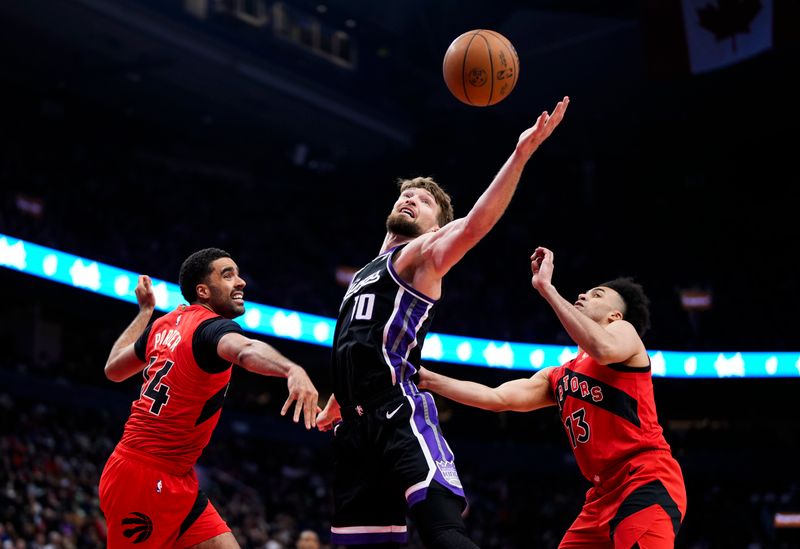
<point>534,136</point>
<point>425,377</point>
<point>305,394</point>
<point>330,415</point>
<point>145,294</point>
<point>541,268</point>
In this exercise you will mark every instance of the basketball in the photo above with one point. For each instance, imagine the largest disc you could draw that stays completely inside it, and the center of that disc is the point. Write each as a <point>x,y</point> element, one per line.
<point>481,67</point>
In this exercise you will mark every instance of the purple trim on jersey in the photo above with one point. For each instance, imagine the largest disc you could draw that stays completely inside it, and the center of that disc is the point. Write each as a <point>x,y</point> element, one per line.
<point>376,537</point>
<point>399,340</point>
<point>404,284</point>
<point>416,497</point>
<point>428,427</point>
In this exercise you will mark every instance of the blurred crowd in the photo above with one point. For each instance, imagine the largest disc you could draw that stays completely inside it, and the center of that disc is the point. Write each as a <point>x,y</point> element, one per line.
<point>270,488</point>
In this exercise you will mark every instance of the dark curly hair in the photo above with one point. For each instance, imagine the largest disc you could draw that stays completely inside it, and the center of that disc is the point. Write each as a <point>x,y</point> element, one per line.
<point>195,269</point>
<point>637,305</point>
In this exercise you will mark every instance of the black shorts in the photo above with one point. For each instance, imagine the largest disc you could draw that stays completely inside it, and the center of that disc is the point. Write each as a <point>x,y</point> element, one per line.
<point>385,459</point>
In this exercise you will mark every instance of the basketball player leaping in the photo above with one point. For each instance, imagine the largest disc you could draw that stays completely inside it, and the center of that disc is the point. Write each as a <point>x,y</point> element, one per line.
<point>605,396</point>
<point>148,490</point>
<point>390,454</point>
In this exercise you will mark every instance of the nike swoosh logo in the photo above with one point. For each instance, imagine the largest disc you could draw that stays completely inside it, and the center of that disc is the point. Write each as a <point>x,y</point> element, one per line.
<point>390,415</point>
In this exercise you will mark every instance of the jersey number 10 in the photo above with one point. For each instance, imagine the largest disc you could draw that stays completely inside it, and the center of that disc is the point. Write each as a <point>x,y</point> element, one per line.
<point>362,307</point>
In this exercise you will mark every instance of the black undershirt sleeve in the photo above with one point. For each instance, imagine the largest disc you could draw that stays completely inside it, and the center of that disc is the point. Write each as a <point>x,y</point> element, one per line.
<point>205,341</point>
<point>140,346</point>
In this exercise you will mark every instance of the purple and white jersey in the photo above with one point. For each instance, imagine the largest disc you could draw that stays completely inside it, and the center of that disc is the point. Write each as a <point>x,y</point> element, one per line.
<point>379,333</point>
<point>377,346</point>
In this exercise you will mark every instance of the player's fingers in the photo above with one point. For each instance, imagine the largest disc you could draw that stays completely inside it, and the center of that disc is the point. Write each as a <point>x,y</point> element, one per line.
<point>556,118</point>
<point>311,415</point>
<point>540,121</point>
<point>307,411</point>
<point>298,407</point>
<point>561,107</point>
<point>313,408</point>
<point>287,404</point>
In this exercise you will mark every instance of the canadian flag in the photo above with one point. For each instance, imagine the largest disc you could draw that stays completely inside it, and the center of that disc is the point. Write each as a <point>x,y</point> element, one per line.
<point>699,36</point>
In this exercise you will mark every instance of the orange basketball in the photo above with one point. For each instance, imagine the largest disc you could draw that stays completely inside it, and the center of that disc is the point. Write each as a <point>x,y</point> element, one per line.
<point>481,67</point>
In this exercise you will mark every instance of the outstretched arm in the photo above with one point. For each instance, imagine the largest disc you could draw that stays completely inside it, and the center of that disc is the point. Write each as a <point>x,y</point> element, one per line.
<point>613,344</point>
<point>260,358</point>
<point>446,247</point>
<point>519,395</point>
<point>122,362</point>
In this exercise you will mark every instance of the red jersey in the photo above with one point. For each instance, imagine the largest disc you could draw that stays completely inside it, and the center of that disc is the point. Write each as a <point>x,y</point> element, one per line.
<point>180,400</point>
<point>609,413</point>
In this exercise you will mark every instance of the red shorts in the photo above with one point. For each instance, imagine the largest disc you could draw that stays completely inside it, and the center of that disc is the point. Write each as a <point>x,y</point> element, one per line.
<point>147,507</point>
<point>642,505</point>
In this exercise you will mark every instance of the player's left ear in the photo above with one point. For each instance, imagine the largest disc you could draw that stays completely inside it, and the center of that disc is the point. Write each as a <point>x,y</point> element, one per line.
<point>614,315</point>
<point>203,291</point>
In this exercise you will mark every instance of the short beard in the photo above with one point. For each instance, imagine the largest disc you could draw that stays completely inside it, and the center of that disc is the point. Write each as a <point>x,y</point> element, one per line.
<point>223,305</point>
<point>401,225</point>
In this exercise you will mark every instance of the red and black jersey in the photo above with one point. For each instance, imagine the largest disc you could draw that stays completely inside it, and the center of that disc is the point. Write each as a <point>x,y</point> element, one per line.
<point>608,411</point>
<point>184,387</point>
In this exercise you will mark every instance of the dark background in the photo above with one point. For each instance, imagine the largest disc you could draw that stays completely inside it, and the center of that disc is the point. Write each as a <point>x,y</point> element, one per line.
<point>145,133</point>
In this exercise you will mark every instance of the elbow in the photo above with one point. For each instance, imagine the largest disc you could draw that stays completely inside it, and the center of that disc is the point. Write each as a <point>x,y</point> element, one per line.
<point>112,373</point>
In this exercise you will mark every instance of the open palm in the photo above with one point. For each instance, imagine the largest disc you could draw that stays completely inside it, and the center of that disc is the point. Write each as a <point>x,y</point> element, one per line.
<point>534,136</point>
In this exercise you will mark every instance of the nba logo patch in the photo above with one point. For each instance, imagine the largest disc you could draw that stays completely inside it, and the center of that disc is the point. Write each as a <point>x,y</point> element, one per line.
<point>158,487</point>
<point>448,470</point>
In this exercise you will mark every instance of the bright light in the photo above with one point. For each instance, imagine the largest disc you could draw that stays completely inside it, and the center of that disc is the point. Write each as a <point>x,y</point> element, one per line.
<point>432,350</point>
<point>537,358</point>
<point>464,351</point>
<point>690,365</point>
<point>50,264</point>
<point>322,332</point>
<point>252,318</point>
<point>13,255</point>
<point>122,285</point>
<point>111,281</point>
